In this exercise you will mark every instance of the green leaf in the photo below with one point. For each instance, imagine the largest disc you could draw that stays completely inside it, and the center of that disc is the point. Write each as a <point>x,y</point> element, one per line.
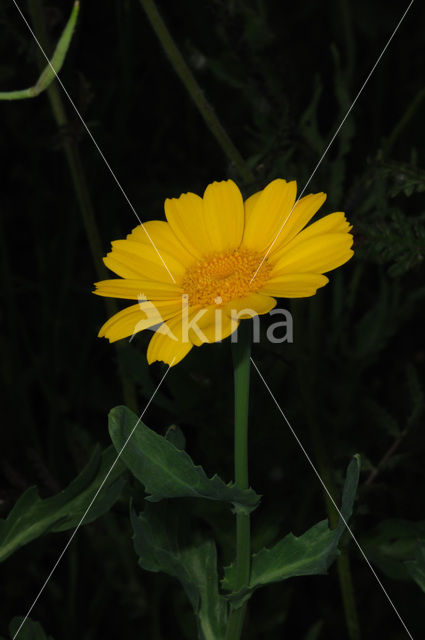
<point>165,470</point>
<point>416,567</point>
<point>32,517</point>
<point>30,630</point>
<point>310,554</point>
<point>162,542</point>
<point>56,62</point>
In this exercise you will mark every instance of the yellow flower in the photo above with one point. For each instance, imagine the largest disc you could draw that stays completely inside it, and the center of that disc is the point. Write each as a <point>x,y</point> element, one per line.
<point>218,260</point>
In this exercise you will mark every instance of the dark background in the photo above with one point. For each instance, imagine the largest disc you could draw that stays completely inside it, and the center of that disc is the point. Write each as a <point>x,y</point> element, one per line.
<point>280,76</point>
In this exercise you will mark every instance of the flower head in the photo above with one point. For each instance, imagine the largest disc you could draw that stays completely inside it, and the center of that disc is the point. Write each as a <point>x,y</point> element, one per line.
<point>218,260</point>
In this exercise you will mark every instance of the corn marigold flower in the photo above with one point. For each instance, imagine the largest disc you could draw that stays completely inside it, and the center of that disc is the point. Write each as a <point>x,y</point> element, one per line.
<point>218,260</point>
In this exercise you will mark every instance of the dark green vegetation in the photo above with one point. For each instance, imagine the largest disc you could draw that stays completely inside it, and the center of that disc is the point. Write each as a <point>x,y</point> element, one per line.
<point>280,80</point>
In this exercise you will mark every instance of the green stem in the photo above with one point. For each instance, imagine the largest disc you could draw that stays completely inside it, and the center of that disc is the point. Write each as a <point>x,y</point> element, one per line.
<point>402,124</point>
<point>307,373</point>
<point>241,363</point>
<point>186,76</point>
<point>79,182</point>
<point>350,45</point>
<point>348,596</point>
<point>343,561</point>
<point>53,67</point>
<point>71,153</point>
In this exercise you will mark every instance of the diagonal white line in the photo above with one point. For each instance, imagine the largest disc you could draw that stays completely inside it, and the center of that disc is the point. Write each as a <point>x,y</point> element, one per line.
<point>333,138</point>
<point>91,503</point>
<point>93,140</point>
<point>333,501</point>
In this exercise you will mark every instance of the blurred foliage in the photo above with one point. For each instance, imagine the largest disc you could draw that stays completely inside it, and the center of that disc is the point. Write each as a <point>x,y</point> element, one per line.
<point>392,236</point>
<point>29,631</point>
<point>281,78</point>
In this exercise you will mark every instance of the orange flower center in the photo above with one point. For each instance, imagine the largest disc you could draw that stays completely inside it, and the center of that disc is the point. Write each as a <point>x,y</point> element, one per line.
<point>221,277</point>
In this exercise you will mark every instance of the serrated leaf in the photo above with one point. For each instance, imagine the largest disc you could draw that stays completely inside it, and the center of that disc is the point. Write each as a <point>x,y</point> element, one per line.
<point>162,542</point>
<point>32,517</point>
<point>30,630</point>
<point>309,554</point>
<point>166,471</point>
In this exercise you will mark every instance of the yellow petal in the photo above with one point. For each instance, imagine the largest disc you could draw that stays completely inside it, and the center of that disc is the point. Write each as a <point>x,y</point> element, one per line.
<point>250,203</point>
<point>161,235</point>
<point>250,306</point>
<point>186,217</point>
<point>296,220</point>
<point>212,325</point>
<point>166,344</point>
<point>267,214</point>
<point>130,259</point>
<point>137,289</point>
<point>298,285</point>
<point>224,215</point>
<point>332,223</point>
<point>122,266</point>
<point>316,254</point>
<point>138,317</point>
